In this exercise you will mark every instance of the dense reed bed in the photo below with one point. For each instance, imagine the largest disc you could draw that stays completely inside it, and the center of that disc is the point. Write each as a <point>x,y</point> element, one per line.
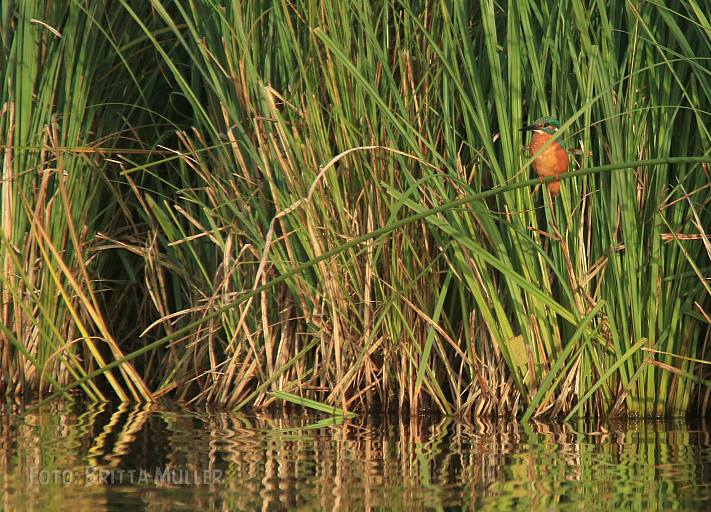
<point>249,202</point>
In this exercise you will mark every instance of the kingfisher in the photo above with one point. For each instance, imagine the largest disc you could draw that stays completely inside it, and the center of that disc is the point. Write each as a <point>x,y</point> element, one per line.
<point>554,159</point>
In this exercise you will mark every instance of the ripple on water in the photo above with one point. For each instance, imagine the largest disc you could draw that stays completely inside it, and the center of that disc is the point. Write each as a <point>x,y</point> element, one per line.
<point>72,457</point>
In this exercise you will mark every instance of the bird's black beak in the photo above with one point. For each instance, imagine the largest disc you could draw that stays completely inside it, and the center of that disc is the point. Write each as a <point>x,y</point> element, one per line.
<point>528,128</point>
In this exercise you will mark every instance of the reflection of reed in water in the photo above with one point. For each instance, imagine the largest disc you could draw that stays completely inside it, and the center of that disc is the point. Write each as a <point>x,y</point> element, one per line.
<point>268,462</point>
<point>124,424</point>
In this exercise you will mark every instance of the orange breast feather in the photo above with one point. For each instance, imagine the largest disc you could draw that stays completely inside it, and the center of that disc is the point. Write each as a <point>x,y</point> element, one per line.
<point>552,162</point>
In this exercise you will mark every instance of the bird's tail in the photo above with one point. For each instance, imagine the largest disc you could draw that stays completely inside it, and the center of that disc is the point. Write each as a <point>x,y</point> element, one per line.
<point>554,187</point>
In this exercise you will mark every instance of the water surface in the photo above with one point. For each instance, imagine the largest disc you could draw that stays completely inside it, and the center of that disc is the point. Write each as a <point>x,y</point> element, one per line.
<point>67,456</point>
